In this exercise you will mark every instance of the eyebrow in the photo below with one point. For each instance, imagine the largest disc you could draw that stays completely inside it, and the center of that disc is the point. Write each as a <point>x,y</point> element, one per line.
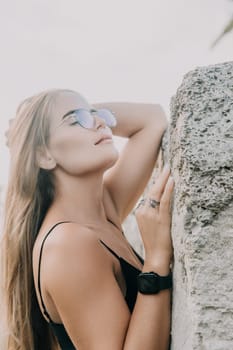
<point>70,112</point>
<point>74,110</point>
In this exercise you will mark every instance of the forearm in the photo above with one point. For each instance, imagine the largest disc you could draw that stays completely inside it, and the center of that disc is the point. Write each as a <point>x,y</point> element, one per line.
<point>133,117</point>
<point>149,326</point>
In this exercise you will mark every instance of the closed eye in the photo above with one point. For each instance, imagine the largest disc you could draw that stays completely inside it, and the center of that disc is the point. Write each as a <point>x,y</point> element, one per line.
<point>75,122</point>
<point>73,118</point>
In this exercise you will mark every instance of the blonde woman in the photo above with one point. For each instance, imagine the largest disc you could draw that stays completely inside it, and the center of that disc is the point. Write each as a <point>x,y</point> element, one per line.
<point>70,276</point>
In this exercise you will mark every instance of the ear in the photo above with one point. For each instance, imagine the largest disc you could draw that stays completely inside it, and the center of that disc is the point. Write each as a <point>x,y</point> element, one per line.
<point>44,159</point>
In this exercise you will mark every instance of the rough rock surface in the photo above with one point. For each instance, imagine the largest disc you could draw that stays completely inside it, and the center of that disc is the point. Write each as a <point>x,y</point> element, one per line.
<point>200,148</point>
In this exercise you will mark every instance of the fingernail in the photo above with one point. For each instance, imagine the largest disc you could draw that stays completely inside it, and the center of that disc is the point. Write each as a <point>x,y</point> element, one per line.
<point>166,166</point>
<point>171,178</point>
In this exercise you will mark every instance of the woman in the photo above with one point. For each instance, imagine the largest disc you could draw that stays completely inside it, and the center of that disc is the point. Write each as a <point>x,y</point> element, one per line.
<point>70,276</point>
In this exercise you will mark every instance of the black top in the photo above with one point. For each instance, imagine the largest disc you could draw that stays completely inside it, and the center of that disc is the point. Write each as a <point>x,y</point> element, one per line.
<point>130,274</point>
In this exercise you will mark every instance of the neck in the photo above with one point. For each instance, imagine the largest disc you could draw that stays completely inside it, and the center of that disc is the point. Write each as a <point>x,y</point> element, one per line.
<point>80,199</point>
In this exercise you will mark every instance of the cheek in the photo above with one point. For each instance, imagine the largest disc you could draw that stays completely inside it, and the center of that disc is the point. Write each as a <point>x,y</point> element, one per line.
<point>67,147</point>
<point>75,154</point>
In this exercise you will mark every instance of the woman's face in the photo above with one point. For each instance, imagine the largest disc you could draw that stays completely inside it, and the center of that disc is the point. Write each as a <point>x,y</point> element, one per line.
<point>72,146</point>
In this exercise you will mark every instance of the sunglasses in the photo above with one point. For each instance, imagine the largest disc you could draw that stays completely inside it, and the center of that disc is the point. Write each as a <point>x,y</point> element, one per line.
<point>85,118</point>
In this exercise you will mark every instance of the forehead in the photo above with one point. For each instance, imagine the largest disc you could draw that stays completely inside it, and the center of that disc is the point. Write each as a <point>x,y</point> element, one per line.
<point>65,102</point>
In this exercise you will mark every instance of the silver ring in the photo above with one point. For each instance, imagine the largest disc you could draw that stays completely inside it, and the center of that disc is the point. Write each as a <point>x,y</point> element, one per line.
<point>153,203</point>
<point>142,202</point>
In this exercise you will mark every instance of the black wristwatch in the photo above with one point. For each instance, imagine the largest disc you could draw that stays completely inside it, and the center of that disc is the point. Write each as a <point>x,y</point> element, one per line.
<point>152,283</point>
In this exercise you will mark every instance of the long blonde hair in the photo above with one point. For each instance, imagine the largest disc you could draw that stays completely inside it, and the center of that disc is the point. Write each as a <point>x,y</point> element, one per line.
<point>29,194</point>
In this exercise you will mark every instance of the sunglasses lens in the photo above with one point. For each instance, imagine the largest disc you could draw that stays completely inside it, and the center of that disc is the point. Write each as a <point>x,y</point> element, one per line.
<point>108,117</point>
<point>85,118</point>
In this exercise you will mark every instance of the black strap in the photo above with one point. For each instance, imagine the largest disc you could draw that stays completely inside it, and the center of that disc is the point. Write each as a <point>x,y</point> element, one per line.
<point>116,226</point>
<point>139,256</point>
<point>111,251</point>
<point>136,253</point>
<point>39,267</point>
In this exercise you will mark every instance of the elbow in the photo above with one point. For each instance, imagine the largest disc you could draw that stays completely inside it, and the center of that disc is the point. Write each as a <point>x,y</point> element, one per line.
<point>159,118</point>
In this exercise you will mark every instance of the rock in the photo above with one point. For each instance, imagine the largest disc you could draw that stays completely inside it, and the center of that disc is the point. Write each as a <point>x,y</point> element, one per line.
<point>199,145</point>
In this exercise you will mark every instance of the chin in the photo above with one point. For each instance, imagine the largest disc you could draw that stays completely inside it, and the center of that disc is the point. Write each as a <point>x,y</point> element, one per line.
<point>100,161</point>
<point>112,159</point>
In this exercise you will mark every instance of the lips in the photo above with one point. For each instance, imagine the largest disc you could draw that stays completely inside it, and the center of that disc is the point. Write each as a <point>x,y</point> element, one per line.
<point>104,137</point>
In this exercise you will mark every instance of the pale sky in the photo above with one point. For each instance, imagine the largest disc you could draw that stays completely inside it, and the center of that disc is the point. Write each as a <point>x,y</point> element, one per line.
<point>121,50</point>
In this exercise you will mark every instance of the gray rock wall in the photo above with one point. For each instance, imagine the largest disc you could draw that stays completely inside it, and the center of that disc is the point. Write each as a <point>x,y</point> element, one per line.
<point>200,149</point>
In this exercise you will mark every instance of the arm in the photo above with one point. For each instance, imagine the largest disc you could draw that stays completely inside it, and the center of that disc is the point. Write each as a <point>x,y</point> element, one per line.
<point>91,305</point>
<point>143,125</point>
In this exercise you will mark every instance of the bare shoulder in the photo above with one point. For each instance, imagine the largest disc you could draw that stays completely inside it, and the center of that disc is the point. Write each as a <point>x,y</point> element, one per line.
<point>67,233</point>
<point>73,253</point>
<point>72,243</point>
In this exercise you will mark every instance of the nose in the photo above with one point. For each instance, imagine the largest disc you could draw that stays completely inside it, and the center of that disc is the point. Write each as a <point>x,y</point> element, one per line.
<point>99,122</point>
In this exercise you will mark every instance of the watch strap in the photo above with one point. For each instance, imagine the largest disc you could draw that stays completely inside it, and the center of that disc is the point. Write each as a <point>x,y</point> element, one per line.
<point>152,283</point>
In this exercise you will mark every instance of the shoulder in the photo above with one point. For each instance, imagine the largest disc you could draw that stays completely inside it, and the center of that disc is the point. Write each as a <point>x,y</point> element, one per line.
<point>72,238</point>
<point>71,249</point>
<point>67,233</point>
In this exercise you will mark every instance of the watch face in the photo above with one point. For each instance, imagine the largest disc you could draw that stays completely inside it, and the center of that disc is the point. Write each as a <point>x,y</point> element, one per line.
<point>149,283</point>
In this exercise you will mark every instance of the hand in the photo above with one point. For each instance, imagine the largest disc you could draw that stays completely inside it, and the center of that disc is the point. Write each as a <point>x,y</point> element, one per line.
<point>154,223</point>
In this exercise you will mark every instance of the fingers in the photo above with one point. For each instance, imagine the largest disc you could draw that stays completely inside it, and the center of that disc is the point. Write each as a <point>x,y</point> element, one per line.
<point>160,194</point>
<point>166,196</point>
<point>161,181</point>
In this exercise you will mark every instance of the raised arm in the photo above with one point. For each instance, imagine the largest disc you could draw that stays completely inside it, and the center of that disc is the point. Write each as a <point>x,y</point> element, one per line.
<point>143,125</point>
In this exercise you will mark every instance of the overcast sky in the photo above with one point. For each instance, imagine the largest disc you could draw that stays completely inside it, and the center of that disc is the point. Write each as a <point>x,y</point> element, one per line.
<point>130,50</point>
